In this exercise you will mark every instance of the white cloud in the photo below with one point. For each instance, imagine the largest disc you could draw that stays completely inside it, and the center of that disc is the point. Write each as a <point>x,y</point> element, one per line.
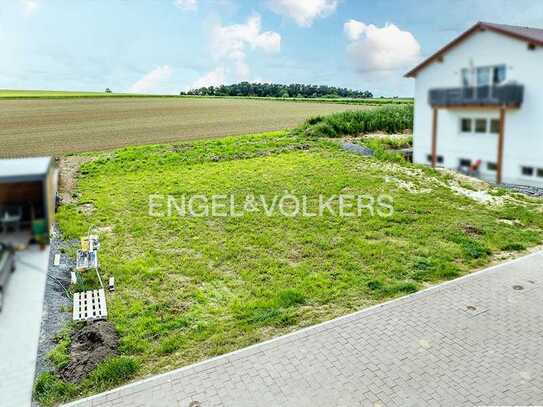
<point>152,81</point>
<point>30,6</point>
<point>304,12</point>
<point>235,39</point>
<point>385,48</point>
<point>230,44</point>
<point>213,78</point>
<point>189,5</point>
<point>354,29</point>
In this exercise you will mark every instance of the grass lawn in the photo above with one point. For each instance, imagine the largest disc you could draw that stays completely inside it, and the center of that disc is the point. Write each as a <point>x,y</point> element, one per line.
<point>189,288</point>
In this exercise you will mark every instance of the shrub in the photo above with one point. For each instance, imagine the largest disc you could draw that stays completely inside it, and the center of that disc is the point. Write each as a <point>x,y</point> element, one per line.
<point>322,129</point>
<point>388,119</point>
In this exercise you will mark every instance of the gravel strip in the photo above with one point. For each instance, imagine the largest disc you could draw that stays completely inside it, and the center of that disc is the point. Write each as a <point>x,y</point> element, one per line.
<point>357,149</point>
<point>56,308</point>
<point>524,189</point>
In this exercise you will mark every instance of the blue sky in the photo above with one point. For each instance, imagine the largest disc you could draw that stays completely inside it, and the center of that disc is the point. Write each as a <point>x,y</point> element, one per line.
<point>164,46</point>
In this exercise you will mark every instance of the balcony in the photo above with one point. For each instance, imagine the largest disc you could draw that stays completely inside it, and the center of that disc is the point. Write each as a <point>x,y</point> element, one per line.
<point>510,95</point>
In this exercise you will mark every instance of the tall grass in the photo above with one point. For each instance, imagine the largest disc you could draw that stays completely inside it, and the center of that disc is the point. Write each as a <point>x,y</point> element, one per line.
<point>387,119</point>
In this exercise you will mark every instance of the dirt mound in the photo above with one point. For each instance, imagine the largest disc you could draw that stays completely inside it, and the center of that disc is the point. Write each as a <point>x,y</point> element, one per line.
<point>91,345</point>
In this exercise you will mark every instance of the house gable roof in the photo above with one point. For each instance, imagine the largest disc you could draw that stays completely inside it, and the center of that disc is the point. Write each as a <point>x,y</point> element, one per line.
<point>530,35</point>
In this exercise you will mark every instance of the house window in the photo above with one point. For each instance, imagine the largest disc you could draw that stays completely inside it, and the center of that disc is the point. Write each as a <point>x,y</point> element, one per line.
<point>483,76</point>
<point>490,75</point>
<point>540,172</point>
<point>491,166</point>
<point>439,158</point>
<point>465,77</point>
<point>465,125</point>
<point>480,125</point>
<point>528,171</point>
<point>464,162</point>
<point>498,75</point>
<point>494,126</point>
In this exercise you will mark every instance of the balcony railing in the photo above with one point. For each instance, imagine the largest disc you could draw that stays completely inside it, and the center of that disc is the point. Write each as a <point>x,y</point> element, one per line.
<point>510,95</point>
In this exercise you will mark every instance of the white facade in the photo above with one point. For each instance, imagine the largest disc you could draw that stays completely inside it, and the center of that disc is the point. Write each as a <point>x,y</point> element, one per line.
<point>523,131</point>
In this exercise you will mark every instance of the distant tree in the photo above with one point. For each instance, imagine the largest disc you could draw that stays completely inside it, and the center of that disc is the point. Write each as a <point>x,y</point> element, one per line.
<point>295,90</point>
<point>108,90</point>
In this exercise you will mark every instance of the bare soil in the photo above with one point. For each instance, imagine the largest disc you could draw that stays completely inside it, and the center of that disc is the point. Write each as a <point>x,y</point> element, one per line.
<point>91,345</point>
<point>69,168</point>
<point>55,127</point>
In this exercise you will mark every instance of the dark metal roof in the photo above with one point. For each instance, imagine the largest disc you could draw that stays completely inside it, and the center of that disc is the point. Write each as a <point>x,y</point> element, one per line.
<point>527,34</point>
<point>24,169</point>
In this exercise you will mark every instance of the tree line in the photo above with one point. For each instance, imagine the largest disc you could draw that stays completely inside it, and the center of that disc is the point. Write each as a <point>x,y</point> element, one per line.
<point>295,90</point>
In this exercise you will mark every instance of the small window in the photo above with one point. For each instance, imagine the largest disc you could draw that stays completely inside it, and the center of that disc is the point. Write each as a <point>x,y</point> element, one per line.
<point>439,158</point>
<point>540,172</point>
<point>494,126</point>
<point>465,125</point>
<point>528,171</point>
<point>480,125</point>
<point>465,77</point>
<point>483,76</point>
<point>491,166</point>
<point>498,74</point>
<point>464,162</point>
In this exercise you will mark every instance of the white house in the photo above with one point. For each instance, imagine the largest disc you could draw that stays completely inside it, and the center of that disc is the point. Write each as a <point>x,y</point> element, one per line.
<point>479,104</point>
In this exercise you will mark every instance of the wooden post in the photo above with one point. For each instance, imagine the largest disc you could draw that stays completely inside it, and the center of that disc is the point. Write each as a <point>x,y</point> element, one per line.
<point>434,137</point>
<point>499,163</point>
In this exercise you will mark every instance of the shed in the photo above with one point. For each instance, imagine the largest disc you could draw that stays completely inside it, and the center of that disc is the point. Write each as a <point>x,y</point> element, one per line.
<point>28,188</point>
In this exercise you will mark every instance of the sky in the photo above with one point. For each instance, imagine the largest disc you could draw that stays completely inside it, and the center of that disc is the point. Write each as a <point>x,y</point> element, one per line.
<point>166,46</point>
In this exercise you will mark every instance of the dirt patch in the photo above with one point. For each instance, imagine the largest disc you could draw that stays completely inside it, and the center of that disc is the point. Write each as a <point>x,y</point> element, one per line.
<point>90,346</point>
<point>87,209</point>
<point>104,229</point>
<point>69,168</point>
<point>471,229</point>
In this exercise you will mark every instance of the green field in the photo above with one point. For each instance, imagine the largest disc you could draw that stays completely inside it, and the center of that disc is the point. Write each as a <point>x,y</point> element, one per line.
<point>37,126</point>
<point>53,94</point>
<point>189,288</point>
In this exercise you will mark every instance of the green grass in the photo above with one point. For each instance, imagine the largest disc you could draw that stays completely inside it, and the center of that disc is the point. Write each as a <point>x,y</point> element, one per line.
<point>59,356</point>
<point>388,119</point>
<point>59,94</point>
<point>53,94</point>
<point>189,288</point>
<point>50,390</point>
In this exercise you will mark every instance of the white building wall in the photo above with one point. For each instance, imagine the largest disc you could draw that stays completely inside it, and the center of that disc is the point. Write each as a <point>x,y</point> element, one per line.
<point>523,127</point>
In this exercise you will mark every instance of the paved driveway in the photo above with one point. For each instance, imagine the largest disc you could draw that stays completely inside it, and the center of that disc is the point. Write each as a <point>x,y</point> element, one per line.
<point>20,327</point>
<point>475,341</point>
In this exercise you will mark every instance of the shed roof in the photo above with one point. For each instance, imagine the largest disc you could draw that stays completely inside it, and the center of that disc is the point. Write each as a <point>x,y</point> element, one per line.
<point>527,34</point>
<point>24,169</point>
